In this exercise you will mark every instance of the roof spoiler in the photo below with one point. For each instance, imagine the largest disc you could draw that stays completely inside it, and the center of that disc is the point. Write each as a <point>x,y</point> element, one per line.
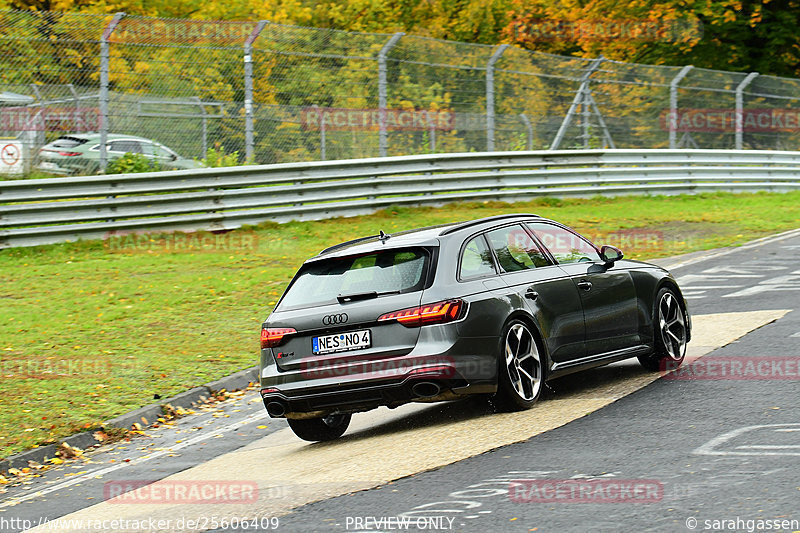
<point>348,243</point>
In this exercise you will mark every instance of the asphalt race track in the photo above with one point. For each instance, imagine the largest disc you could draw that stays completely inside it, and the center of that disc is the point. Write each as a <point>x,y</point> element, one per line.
<point>713,447</point>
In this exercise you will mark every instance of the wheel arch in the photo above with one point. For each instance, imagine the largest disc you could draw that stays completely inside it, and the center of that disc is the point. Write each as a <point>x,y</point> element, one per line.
<point>536,330</point>
<point>668,282</point>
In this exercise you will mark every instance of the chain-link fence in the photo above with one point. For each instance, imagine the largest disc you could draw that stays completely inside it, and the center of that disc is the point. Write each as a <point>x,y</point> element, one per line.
<point>175,90</point>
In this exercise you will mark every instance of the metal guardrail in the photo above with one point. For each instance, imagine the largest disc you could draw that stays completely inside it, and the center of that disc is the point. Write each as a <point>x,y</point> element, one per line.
<point>34,212</point>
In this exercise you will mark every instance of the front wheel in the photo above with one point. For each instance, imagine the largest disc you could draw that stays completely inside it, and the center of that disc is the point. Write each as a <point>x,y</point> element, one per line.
<point>670,333</point>
<point>521,372</point>
<point>329,427</point>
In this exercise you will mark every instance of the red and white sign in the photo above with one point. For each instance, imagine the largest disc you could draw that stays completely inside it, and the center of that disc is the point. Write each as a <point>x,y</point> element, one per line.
<point>11,157</point>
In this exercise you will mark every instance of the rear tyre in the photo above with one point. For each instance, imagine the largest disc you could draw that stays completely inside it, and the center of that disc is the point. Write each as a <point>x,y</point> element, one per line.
<point>670,333</point>
<point>521,372</point>
<point>329,427</point>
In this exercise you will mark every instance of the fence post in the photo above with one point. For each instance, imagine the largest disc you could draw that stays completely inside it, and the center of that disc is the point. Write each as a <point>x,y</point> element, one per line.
<point>248,90</point>
<point>104,75</point>
<point>35,89</point>
<point>490,96</point>
<point>432,135</point>
<point>382,140</point>
<point>77,104</point>
<point>739,107</point>
<point>529,128</point>
<point>580,98</point>
<point>204,140</point>
<point>322,139</point>
<point>431,131</point>
<point>673,106</point>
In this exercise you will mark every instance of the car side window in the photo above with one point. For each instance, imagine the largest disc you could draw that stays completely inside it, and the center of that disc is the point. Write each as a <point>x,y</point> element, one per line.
<point>515,249</point>
<point>159,151</point>
<point>476,259</point>
<point>565,246</point>
<point>147,149</point>
<point>125,147</point>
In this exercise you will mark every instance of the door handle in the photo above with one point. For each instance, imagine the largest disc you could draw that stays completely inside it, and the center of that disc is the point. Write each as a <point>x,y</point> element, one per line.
<point>531,294</point>
<point>585,285</point>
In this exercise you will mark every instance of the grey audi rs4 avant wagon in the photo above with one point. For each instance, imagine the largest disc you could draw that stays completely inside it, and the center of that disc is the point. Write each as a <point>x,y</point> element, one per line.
<point>495,306</point>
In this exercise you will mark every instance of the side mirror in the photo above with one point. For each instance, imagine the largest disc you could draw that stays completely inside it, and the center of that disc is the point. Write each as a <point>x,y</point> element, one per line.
<point>610,254</point>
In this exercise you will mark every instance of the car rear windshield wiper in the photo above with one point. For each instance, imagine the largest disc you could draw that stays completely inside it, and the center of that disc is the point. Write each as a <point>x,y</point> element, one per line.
<point>362,296</point>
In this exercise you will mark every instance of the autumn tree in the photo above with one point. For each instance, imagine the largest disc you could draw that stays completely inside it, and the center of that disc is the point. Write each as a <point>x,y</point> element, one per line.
<point>738,35</point>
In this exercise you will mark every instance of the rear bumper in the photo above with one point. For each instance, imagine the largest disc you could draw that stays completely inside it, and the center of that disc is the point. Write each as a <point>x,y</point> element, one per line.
<point>67,165</point>
<point>317,403</point>
<point>468,366</point>
<point>52,167</point>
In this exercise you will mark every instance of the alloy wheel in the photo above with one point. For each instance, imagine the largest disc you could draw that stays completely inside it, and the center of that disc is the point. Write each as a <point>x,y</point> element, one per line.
<point>523,362</point>
<point>672,324</point>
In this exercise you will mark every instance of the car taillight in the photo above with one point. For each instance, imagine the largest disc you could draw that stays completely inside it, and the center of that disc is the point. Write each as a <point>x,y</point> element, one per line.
<point>69,154</point>
<point>437,313</point>
<point>271,337</point>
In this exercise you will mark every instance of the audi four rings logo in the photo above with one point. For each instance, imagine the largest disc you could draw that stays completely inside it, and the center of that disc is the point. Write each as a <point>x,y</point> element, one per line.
<point>328,320</point>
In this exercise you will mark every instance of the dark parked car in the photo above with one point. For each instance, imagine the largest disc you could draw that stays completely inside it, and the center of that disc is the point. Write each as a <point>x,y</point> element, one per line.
<point>495,306</point>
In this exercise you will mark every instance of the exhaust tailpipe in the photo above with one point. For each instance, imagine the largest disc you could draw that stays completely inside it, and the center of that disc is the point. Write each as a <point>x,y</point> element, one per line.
<point>276,409</point>
<point>425,389</point>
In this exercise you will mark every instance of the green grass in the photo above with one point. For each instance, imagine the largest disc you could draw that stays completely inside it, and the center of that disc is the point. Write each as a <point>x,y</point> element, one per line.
<point>32,175</point>
<point>90,330</point>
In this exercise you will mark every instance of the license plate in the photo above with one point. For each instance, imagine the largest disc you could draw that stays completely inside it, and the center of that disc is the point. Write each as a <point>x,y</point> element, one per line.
<point>48,166</point>
<point>341,342</point>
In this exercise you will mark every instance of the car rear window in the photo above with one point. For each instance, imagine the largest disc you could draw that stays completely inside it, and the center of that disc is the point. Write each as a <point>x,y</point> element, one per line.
<point>387,271</point>
<point>67,142</point>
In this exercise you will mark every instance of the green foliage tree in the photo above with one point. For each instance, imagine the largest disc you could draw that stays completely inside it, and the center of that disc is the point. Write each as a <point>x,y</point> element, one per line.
<point>737,35</point>
<point>216,157</point>
<point>741,35</point>
<point>131,164</point>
